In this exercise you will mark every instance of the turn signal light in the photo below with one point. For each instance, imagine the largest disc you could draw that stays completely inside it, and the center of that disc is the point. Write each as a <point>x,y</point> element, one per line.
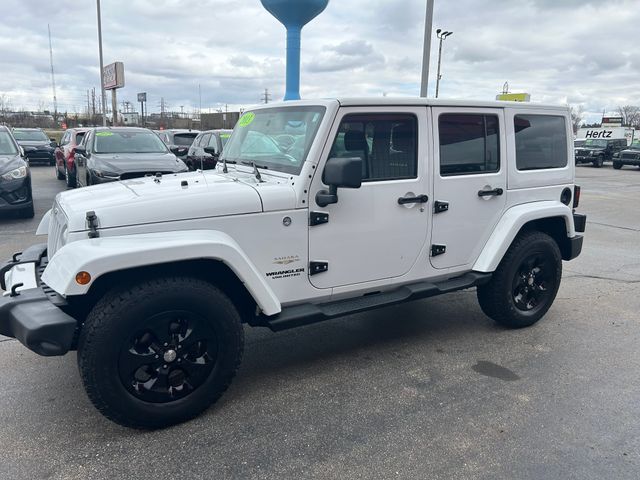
<point>83,278</point>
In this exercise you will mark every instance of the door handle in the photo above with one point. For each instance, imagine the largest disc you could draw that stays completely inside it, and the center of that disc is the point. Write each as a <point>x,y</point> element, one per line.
<point>491,193</point>
<point>418,199</point>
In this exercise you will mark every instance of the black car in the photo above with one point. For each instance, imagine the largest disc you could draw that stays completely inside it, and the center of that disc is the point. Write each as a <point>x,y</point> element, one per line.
<point>38,148</point>
<point>210,139</point>
<point>119,153</point>
<point>15,177</point>
<point>178,140</point>
<point>628,156</point>
<point>598,150</point>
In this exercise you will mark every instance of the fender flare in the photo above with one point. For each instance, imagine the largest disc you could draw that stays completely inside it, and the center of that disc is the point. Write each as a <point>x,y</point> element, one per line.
<point>103,255</point>
<point>512,222</point>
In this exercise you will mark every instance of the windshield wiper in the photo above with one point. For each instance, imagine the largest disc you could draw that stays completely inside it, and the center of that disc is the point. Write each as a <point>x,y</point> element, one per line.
<point>256,172</point>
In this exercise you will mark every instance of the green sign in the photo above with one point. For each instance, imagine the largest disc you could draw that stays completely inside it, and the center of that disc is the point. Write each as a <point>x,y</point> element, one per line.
<point>104,134</point>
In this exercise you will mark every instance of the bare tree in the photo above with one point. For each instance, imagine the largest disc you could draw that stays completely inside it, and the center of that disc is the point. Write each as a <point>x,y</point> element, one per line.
<point>630,115</point>
<point>576,117</point>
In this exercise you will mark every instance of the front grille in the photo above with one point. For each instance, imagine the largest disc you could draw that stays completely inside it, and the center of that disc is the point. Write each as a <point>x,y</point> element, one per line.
<point>129,175</point>
<point>582,153</point>
<point>630,156</point>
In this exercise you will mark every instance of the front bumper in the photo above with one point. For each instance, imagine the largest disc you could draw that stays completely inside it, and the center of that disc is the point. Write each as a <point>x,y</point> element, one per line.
<point>15,194</point>
<point>36,156</point>
<point>33,315</point>
<point>587,159</point>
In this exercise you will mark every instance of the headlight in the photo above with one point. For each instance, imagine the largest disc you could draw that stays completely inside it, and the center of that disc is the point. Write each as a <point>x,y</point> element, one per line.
<point>592,152</point>
<point>19,172</point>
<point>103,174</point>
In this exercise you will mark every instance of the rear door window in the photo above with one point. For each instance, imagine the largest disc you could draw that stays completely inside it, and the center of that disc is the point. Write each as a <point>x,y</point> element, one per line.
<point>541,142</point>
<point>469,143</point>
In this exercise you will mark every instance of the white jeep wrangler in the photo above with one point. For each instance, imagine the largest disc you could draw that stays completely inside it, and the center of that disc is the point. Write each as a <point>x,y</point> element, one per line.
<point>316,209</point>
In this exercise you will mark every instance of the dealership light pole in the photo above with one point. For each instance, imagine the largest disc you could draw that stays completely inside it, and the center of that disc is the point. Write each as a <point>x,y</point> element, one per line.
<point>426,51</point>
<point>441,35</point>
<point>104,94</point>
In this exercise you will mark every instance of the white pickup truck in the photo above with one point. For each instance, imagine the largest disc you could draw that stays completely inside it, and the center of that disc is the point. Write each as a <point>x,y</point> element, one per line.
<point>316,209</point>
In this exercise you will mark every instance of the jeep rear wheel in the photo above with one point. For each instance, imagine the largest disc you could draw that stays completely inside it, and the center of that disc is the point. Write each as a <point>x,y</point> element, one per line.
<point>526,282</point>
<point>159,352</point>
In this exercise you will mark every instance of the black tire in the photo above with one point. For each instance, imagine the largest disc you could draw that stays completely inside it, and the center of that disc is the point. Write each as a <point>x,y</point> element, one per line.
<point>510,297</point>
<point>617,165</point>
<point>599,162</point>
<point>70,178</point>
<point>59,174</point>
<point>126,328</point>
<point>27,212</point>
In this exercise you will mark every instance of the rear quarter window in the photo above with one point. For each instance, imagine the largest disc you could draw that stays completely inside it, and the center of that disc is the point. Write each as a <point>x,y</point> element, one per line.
<point>541,142</point>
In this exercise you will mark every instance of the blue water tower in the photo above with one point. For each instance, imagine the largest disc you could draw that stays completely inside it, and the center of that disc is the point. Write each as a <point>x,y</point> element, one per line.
<point>294,14</point>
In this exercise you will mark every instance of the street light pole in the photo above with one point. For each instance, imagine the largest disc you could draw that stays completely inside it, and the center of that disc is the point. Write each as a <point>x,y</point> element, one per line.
<point>426,51</point>
<point>104,95</point>
<point>441,35</point>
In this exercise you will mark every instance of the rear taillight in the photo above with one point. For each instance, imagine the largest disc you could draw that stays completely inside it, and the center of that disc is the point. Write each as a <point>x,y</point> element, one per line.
<point>576,196</point>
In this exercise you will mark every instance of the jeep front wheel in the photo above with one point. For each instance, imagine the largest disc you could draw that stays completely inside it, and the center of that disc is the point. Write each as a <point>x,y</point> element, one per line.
<point>598,162</point>
<point>617,165</point>
<point>159,352</point>
<point>526,282</point>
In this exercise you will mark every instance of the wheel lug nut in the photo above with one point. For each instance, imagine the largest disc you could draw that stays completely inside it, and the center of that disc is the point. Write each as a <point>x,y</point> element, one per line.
<point>157,356</point>
<point>166,344</point>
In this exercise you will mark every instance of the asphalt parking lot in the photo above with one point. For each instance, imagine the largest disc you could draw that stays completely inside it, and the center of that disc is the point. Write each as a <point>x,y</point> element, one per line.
<point>431,389</point>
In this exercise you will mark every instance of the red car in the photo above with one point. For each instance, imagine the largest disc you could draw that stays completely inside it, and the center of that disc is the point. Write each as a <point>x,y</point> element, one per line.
<point>65,154</point>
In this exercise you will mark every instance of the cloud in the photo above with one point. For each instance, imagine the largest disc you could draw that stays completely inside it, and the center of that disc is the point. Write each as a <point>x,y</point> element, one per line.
<point>556,50</point>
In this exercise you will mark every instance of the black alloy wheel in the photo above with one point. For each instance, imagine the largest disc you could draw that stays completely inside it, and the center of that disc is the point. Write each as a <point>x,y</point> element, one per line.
<point>170,357</point>
<point>533,282</point>
<point>525,284</point>
<point>159,351</point>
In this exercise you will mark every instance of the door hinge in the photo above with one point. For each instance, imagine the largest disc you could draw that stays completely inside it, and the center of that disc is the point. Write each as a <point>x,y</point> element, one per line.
<point>318,218</point>
<point>438,250</point>
<point>318,267</point>
<point>439,207</point>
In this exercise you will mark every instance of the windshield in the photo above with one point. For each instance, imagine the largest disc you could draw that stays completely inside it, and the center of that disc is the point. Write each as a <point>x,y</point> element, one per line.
<point>7,147</point>
<point>184,139</point>
<point>128,142</point>
<point>274,138</point>
<point>224,138</point>
<point>30,135</point>
<point>595,143</point>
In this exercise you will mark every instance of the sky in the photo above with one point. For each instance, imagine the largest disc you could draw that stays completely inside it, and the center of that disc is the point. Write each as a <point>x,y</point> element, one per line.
<point>226,52</point>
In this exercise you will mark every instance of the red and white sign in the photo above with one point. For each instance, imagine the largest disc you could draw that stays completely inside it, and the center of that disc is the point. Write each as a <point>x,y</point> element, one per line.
<point>113,76</point>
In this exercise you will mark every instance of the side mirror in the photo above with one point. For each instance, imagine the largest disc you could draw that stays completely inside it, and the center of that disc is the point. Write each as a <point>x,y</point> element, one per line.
<point>80,150</point>
<point>339,173</point>
<point>21,150</point>
<point>211,151</point>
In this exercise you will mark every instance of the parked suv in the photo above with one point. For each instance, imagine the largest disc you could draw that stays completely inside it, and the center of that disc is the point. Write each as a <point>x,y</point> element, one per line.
<point>65,168</point>
<point>178,140</point>
<point>628,156</point>
<point>38,148</point>
<point>597,151</point>
<point>206,149</point>
<point>316,209</point>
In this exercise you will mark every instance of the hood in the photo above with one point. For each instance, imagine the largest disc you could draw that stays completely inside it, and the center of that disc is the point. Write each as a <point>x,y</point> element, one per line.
<point>10,162</point>
<point>138,162</point>
<point>143,200</point>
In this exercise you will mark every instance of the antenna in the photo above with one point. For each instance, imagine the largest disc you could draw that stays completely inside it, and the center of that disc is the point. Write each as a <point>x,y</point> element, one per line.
<point>294,14</point>
<point>53,79</point>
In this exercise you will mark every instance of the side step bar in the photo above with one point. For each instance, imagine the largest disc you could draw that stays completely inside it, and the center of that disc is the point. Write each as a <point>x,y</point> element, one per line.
<point>306,314</point>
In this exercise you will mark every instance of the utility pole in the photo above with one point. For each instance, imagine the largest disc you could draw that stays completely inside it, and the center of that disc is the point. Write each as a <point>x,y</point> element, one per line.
<point>104,93</point>
<point>426,50</point>
<point>88,106</point>
<point>53,79</point>
<point>441,35</point>
<point>200,100</point>
<point>266,96</point>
